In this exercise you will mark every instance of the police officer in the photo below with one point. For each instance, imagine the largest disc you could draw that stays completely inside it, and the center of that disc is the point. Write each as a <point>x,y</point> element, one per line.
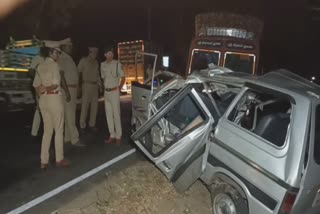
<point>71,75</point>
<point>47,83</point>
<point>113,78</point>
<point>33,67</point>
<point>89,80</point>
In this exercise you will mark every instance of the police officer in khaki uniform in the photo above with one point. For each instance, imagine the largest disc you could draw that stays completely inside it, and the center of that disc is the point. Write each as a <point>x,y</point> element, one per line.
<point>36,118</point>
<point>47,83</point>
<point>113,78</point>
<point>89,80</point>
<point>71,75</point>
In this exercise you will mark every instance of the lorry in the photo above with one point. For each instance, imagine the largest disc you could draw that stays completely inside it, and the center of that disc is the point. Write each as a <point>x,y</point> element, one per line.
<point>135,66</point>
<point>222,40</point>
<point>226,40</point>
<point>15,83</point>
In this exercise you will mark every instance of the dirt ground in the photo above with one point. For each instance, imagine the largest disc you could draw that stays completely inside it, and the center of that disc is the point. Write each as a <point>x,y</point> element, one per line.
<point>140,189</point>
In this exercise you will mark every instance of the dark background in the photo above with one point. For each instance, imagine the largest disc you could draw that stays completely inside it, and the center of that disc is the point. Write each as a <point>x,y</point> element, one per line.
<point>290,39</point>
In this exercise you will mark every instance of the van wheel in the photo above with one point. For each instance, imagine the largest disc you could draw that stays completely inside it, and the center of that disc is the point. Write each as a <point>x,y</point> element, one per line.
<point>227,200</point>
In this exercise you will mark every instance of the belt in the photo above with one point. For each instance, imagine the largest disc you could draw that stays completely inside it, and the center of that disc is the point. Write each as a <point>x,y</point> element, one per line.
<point>72,86</point>
<point>111,89</point>
<point>51,92</point>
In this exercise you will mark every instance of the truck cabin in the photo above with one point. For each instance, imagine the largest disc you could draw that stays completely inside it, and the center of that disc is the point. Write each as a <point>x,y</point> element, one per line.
<point>18,55</point>
<point>226,40</point>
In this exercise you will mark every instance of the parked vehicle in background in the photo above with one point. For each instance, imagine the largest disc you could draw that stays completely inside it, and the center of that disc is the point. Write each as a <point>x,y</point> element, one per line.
<point>142,93</point>
<point>253,141</point>
<point>14,101</point>
<point>3,103</point>
<point>15,82</point>
<point>226,40</point>
<point>135,67</point>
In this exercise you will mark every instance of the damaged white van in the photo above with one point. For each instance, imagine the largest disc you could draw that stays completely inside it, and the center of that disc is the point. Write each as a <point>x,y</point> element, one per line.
<point>254,141</point>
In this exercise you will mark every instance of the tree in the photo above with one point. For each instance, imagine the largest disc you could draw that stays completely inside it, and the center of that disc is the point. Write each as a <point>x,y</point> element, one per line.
<point>55,16</point>
<point>42,18</point>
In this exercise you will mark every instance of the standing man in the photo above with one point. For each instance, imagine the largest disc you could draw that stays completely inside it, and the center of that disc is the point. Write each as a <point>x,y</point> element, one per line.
<point>112,74</point>
<point>47,83</point>
<point>33,69</point>
<point>69,68</point>
<point>89,81</point>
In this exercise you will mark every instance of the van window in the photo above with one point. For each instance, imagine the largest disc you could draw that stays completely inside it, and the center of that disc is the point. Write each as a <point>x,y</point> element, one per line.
<point>264,115</point>
<point>317,136</point>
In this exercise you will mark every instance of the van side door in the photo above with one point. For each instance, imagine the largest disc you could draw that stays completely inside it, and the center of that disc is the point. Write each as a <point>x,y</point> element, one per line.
<point>176,138</point>
<point>308,199</point>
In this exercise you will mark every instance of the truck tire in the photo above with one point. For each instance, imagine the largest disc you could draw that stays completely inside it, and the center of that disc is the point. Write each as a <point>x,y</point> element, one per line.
<point>227,200</point>
<point>4,103</point>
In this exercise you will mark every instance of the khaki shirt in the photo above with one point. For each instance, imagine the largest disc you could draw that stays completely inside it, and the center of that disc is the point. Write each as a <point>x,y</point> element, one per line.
<point>69,68</point>
<point>90,70</point>
<point>36,61</point>
<point>48,74</point>
<point>110,74</point>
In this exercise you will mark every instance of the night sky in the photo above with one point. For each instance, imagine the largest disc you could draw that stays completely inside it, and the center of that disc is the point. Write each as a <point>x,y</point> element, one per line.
<point>290,40</point>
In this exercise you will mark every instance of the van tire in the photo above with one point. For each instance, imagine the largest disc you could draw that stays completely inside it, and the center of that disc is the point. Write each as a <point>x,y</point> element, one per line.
<point>225,193</point>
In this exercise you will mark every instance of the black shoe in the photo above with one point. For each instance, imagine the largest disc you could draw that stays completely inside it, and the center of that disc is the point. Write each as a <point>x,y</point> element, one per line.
<point>44,166</point>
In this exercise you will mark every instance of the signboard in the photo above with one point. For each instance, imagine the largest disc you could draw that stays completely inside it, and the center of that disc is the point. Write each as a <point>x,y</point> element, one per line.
<point>165,61</point>
<point>229,32</point>
<point>236,45</point>
<point>209,44</point>
<point>127,52</point>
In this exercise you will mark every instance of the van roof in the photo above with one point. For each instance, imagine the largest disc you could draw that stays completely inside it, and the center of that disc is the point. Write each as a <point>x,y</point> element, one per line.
<point>281,79</point>
<point>289,82</point>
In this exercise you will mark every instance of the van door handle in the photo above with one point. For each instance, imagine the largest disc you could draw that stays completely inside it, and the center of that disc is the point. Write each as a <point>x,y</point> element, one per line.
<point>143,97</point>
<point>166,166</point>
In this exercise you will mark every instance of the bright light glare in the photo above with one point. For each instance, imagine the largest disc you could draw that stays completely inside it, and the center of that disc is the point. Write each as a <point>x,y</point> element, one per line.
<point>165,61</point>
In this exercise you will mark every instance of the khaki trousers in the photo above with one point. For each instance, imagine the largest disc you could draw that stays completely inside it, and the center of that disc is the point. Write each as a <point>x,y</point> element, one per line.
<point>89,97</point>
<point>70,129</point>
<point>112,107</point>
<point>51,107</point>
<point>36,119</point>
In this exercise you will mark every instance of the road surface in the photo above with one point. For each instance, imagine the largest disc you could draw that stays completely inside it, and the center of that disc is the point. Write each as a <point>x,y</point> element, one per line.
<point>22,180</point>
